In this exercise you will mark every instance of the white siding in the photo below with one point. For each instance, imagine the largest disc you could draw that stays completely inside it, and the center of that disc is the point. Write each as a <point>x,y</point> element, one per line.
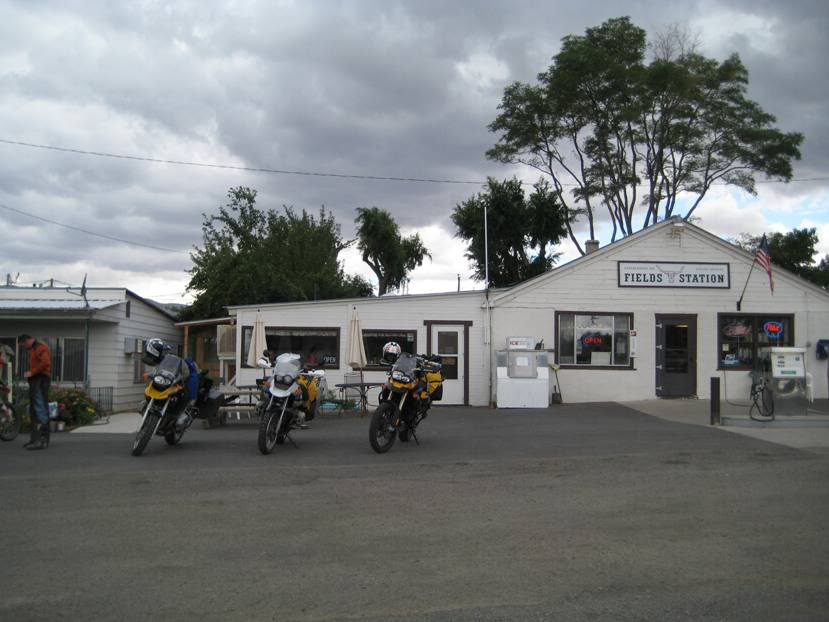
<point>109,366</point>
<point>591,284</point>
<point>403,312</point>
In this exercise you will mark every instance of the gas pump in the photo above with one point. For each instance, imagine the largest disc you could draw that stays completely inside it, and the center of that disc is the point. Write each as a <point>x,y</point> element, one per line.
<point>782,374</point>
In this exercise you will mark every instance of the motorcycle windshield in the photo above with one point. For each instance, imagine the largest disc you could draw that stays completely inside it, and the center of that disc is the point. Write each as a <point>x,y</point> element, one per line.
<point>286,369</point>
<point>172,367</point>
<point>405,364</point>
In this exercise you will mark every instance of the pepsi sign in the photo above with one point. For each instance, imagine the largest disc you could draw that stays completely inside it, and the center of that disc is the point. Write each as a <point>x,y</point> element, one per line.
<point>773,330</point>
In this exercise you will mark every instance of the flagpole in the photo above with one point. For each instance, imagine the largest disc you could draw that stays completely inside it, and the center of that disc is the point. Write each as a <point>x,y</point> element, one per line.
<point>740,301</point>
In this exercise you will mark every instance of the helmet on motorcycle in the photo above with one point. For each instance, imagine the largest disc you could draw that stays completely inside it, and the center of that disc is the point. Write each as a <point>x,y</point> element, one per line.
<point>391,351</point>
<point>154,351</point>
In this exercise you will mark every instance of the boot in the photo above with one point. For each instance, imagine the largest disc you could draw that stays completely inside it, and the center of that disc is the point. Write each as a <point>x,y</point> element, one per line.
<point>39,438</point>
<point>34,437</point>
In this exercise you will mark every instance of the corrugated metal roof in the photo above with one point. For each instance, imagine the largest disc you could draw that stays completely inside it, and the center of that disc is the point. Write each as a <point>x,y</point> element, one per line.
<point>55,305</point>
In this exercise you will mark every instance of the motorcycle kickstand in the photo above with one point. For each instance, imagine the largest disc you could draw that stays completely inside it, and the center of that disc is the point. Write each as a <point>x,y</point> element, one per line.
<point>288,436</point>
<point>414,436</point>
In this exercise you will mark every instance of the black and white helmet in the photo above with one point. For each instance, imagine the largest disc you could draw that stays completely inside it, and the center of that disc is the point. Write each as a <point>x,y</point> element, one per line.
<point>391,351</point>
<point>154,351</point>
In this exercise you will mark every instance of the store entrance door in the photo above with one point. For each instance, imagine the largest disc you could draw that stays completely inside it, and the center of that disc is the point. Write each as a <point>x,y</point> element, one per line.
<point>676,355</point>
<point>446,343</point>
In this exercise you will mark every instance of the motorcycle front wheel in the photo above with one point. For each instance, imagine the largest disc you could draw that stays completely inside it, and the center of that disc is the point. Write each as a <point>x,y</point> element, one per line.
<point>145,433</point>
<point>10,423</point>
<point>381,431</point>
<point>267,431</point>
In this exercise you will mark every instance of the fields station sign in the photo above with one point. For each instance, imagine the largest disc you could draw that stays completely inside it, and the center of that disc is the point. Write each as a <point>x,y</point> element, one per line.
<point>674,274</point>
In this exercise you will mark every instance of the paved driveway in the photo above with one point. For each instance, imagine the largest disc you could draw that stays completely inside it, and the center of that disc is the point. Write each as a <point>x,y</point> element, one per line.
<point>580,513</point>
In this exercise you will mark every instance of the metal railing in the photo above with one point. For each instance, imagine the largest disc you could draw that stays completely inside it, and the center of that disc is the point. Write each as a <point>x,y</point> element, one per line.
<point>103,397</point>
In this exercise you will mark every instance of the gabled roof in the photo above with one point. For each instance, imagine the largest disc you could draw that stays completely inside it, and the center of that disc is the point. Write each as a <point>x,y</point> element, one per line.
<point>635,238</point>
<point>68,299</point>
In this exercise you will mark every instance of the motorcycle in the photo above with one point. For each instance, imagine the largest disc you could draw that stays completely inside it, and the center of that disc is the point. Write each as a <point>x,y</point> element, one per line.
<point>167,411</point>
<point>292,396</point>
<point>10,420</point>
<point>414,383</point>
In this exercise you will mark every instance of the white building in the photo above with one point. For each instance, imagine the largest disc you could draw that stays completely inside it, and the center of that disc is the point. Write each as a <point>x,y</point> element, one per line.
<point>652,315</point>
<point>108,328</point>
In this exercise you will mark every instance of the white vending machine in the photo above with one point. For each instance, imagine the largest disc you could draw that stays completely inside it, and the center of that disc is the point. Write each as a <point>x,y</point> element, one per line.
<point>522,374</point>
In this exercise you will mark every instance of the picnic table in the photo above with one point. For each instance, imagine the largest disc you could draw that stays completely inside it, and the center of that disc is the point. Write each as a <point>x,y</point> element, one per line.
<point>243,400</point>
<point>362,388</point>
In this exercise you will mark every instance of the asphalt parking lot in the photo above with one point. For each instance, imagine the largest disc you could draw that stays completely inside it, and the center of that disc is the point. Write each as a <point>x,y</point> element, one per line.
<point>584,512</point>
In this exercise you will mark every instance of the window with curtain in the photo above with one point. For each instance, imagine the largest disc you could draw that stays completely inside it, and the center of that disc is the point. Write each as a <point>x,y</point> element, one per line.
<point>317,347</point>
<point>374,340</point>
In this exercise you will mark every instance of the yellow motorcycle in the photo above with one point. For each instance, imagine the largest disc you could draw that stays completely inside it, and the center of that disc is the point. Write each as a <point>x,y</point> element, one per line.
<point>414,383</point>
<point>292,396</point>
<point>177,393</point>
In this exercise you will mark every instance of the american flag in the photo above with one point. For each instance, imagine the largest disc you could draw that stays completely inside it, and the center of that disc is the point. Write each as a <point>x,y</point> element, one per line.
<point>764,259</point>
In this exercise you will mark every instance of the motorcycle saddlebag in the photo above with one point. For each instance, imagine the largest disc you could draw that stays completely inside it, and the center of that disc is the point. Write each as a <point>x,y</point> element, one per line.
<point>215,399</point>
<point>435,381</point>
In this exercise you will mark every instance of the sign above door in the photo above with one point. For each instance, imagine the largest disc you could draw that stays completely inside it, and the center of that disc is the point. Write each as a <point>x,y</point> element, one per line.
<point>679,274</point>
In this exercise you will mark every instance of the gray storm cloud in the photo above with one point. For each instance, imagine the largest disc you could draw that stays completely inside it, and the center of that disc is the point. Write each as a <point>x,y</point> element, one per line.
<point>403,89</point>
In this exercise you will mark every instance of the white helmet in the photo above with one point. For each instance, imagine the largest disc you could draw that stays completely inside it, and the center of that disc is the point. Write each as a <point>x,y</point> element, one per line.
<point>391,351</point>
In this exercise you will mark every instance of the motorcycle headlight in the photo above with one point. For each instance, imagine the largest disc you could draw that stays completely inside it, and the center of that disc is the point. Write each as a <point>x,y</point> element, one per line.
<point>400,376</point>
<point>162,381</point>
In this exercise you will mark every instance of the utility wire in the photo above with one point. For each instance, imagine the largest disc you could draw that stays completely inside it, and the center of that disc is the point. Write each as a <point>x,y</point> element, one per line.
<point>236,168</point>
<point>277,171</point>
<point>100,235</point>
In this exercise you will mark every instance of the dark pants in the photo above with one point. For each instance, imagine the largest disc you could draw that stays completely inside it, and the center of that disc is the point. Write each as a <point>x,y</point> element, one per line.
<point>39,404</point>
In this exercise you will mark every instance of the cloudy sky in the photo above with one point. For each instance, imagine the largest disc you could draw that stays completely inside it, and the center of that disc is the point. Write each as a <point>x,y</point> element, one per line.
<point>386,88</point>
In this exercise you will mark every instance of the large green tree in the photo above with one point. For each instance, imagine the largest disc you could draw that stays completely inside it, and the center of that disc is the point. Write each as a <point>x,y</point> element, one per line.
<point>618,134</point>
<point>519,230</point>
<point>251,256</point>
<point>390,255</point>
<point>794,250</point>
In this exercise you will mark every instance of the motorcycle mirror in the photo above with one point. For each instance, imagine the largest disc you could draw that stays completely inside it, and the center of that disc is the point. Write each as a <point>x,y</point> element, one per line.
<point>263,363</point>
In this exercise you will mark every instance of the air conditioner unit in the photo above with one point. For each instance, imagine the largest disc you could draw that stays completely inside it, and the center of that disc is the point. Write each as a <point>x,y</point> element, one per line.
<point>226,341</point>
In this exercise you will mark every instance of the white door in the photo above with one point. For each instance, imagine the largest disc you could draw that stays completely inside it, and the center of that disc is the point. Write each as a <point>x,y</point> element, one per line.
<point>447,342</point>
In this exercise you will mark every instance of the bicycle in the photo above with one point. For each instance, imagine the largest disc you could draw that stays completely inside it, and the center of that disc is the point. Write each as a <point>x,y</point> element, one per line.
<point>762,398</point>
<point>11,418</point>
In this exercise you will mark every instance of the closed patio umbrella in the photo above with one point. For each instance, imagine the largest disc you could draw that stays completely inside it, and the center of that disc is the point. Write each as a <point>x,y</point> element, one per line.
<point>258,341</point>
<point>356,356</point>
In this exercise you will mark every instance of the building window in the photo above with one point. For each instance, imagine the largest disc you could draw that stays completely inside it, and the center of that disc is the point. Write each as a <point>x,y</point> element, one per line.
<point>317,347</point>
<point>374,340</point>
<point>740,336</point>
<point>67,356</point>
<point>128,308</point>
<point>594,339</point>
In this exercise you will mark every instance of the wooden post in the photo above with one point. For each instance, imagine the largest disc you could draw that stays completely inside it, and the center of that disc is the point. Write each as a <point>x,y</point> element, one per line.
<point>715,400</point>
<point>186,340</point>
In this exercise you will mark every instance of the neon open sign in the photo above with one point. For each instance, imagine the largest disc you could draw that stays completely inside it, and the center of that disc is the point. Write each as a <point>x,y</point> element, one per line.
<point>774,330</point>
<point>593,341</point>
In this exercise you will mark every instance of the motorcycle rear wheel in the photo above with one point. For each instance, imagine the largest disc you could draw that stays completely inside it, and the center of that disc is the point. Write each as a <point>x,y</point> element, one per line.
<point>381,431</point>
<point>268,432</point>
<point>173,437</point>
<point>145,433</point>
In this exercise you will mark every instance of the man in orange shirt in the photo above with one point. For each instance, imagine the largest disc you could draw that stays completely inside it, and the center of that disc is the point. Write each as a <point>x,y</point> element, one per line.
<point>40,376</point>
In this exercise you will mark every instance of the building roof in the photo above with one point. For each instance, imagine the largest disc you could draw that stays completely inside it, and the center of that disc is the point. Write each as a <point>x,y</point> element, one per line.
<point>69,299</point>
<point>364,300</point>
<point>609,249</point>
<point>208,322</point>
<point>28,304</point>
